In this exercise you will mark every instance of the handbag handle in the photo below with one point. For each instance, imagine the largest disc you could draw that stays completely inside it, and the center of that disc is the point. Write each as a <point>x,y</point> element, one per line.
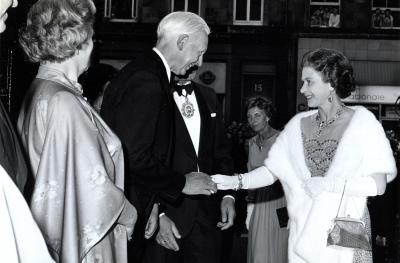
<point>341,198</point>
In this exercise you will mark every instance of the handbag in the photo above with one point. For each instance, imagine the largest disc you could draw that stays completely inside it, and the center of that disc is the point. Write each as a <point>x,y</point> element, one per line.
<point>283,217</point>
<point>348,232</point>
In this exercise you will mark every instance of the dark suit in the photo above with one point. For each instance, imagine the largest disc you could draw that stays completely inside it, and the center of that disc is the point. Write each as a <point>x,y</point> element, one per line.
<point>12,158</point>
<point>138,106</point>
<point>196,217</point>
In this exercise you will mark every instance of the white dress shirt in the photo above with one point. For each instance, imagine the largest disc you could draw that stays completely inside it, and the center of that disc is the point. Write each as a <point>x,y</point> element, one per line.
<point>193,123</point>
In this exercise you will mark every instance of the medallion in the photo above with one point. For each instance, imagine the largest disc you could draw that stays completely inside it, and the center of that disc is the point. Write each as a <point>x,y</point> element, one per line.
<point>187,108</point>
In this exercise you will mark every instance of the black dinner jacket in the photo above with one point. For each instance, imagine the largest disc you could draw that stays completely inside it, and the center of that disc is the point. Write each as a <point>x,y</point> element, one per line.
<point>213,157</point>
<point>138,106</point>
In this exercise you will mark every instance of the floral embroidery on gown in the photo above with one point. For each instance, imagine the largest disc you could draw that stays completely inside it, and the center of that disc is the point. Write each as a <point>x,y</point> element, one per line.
<point>77,161</point>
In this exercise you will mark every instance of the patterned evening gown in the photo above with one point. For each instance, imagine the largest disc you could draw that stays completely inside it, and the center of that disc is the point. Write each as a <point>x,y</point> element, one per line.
<point>319,154</point>
<point>267,241</point>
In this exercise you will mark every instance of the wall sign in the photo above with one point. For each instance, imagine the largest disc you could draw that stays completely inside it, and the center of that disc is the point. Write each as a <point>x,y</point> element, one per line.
<point>374,94</point>
<point>213,75</point>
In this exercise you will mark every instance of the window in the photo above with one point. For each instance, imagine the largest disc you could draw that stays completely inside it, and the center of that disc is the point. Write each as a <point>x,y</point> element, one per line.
<point>385,14</point>
<point>325,13</point>
<point>248,12</point>
<point>121,11</point>
<point>193,6</point>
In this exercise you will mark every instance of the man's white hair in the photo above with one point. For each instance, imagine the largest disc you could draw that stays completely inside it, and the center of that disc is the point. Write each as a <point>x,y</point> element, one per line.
<point>181,23</point>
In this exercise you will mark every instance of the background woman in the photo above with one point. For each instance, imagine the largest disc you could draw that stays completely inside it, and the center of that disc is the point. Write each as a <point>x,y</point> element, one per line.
<point>77,161</point>
<point>317,154</point>
<point>267,241</point>
<point>387,19</point>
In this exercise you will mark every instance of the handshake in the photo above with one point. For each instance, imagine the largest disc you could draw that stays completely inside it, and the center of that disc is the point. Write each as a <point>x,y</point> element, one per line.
<point>198,183</point>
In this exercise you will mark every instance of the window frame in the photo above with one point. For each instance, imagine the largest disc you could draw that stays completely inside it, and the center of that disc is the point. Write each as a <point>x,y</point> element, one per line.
<point>332,3</point>
<point>186,6</point>
<point>248,21</point>
<point>392,9</point>
<point>134,12</point>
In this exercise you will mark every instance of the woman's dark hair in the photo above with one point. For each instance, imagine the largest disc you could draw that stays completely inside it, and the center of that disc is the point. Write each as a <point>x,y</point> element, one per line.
<point>262,103</point>
<point>56,29</point>
<point>334,67</point>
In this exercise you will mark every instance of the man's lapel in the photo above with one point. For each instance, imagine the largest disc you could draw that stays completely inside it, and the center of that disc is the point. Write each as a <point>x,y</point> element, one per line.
<point>205,127</point>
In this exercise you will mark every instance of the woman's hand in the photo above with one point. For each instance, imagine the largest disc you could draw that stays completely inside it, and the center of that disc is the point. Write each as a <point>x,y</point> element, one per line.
<point>128,218</point>
<point>225,182</point>
<point>315,186</point>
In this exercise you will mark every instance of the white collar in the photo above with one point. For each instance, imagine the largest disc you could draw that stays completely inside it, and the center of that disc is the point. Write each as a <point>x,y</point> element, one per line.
<point>167,68</point>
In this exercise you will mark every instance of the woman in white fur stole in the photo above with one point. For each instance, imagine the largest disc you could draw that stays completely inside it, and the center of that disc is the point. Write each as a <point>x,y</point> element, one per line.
<point>317,153</point>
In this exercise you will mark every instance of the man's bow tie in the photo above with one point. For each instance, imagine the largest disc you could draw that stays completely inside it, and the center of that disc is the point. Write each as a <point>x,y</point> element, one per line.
<point>188,87</point>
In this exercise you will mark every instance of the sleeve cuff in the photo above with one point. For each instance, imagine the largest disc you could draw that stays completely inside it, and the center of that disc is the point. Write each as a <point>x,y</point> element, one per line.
<point>229,196</point>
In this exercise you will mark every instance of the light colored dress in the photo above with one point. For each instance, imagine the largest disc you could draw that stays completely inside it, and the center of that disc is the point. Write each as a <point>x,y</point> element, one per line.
<point>20,237</point>
<point>267,241</point>
<point>77,161</point>
<point>311,218</point>
<point>319,154</point>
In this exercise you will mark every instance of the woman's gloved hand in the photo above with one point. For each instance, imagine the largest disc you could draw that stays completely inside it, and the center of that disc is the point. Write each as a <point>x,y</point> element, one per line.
<point>225,182</point>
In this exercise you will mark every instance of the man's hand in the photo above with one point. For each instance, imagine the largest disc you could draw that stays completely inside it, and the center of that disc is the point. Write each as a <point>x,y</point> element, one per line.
<point>250,208</point>
<point>199,184</point>
<point>228,213</point>
<point>152,222</point>
<point>167,234</point>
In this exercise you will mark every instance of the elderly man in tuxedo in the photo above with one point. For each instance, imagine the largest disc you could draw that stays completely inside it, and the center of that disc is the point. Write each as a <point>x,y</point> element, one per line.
<point>138,106</point>
<point>190,229</point>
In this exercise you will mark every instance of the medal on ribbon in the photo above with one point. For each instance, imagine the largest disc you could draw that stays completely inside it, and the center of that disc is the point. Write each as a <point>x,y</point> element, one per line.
<point>187,108</point>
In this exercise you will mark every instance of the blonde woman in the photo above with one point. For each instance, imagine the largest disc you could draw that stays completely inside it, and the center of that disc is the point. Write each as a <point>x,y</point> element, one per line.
<point>77,161</point>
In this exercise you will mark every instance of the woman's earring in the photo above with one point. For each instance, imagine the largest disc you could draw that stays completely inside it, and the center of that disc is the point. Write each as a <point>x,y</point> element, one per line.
<point>330,98</point>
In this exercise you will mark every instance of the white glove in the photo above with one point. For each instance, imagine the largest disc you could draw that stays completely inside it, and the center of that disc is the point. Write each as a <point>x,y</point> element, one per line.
<point>360,186</point>
<point>317,185</point>
<point>225,182</point>
<point>255,179</point>
<point>250,208</point>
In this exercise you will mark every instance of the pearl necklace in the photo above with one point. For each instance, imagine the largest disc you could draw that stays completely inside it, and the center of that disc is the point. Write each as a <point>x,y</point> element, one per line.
<point>322,125</point>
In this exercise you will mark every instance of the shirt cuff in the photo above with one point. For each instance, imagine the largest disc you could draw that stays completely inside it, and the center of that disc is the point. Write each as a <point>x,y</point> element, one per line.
<point>229,196</point>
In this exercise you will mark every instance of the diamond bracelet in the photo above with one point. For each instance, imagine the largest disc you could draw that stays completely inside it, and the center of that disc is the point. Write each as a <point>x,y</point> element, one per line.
<point>240,182</point>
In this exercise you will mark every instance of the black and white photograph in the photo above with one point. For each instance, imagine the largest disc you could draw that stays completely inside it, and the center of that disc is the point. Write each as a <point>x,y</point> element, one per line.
<point>199,131</point>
